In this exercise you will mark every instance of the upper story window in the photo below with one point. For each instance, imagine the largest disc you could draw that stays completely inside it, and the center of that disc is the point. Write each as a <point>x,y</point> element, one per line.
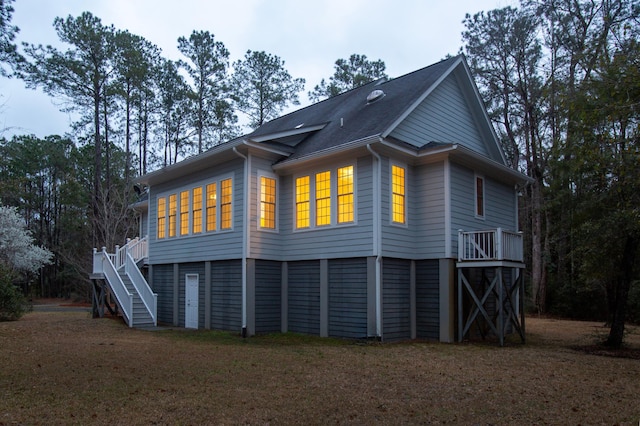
<point>398,194</point>
<point>329,189</point>
<point>190,212</point>
<point>184,213</point>
<point>162,217</point>
<point>323,198</point>
<point>226,196</point>
<point>303,211</point>
<point>479,190</point>
<point>196,213</point>
<point>345,195</point>
<point>267,202</point>
<point>173,210</point>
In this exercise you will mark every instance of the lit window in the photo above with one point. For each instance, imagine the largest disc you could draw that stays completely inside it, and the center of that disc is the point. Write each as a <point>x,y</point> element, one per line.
<point>225,204</point>
<point>184,213</point>
<point>267,202</point>
<point>162,217</point>
<point>398,190</point>
<point>197,210</point>
<point>211,206</point>
<point>303,192</point>
<point>172,215</point>
<point>479,196</point>
<point>323,198</point>
<point>345,194</point>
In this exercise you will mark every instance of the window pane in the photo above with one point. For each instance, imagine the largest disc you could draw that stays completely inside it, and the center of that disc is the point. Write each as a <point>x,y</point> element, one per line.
<point>172,215</point>
<point>323,198</point>
<point>211,206</point>
<point>162,217</point>
<point>197,210</point>
<point>398,194</point>
<point>184,213</point>
<point>225,204</point>
<point>267,202</point>
<point>479,196</point>
<point>345,194</point>
<point>302,202</point>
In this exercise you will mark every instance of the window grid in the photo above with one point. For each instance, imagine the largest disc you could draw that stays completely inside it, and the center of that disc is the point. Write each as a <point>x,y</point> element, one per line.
<point>345,194</point>
<point>197,210</point>
<point>303,196</point>
<point>267,202</point>
<point>323,198</point>
<point>184,213</point>
<point>398,194</point>
<point>225,204</point>
<point>479,196</point>
<point>211,206</point>
<point>172,215</point>
<point>162,217</point>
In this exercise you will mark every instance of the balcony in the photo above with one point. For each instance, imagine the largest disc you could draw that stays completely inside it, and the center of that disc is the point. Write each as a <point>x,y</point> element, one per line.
<point>494,245</point>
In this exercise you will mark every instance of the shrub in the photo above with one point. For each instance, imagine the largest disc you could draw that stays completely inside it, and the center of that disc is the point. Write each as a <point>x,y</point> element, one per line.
<point>13,304</point>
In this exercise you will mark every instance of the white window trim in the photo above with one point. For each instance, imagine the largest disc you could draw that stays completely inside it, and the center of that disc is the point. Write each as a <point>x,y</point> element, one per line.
<point>406,194</point>
<point>482,216</point>
<point>334,198</point>
<point>261,174</point>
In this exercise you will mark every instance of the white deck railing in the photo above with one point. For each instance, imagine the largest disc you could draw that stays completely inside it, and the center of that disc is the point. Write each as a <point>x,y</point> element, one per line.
<point>494,244</point>
<point>137,248</point>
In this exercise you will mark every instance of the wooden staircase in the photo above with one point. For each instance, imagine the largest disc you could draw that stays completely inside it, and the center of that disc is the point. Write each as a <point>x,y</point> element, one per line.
<point>120,275</point>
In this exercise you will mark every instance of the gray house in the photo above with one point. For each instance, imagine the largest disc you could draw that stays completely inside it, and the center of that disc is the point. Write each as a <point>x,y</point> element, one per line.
<point>353,217</point>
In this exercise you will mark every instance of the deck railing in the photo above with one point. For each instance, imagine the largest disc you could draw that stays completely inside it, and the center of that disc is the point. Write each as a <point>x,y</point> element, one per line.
<point>137,248</point>
<point>493,244</point>
<point>103,263</point>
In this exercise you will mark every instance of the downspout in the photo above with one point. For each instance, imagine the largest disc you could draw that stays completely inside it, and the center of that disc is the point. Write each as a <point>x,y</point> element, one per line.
<point>377,236</point>
<point>245,236</point>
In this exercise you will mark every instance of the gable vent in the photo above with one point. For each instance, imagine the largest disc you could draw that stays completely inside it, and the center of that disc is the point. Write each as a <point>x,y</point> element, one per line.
<point>374,96</point>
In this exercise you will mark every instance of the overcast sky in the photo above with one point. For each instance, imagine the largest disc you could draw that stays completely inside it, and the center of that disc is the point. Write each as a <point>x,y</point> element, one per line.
<point>308,35</point>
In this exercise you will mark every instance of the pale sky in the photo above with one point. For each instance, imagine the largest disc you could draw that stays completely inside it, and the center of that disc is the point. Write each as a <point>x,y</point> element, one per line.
<point>308,35</point>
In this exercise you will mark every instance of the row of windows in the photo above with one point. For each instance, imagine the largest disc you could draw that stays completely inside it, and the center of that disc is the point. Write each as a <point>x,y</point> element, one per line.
<point>193,215</point>
<point>186,212</point>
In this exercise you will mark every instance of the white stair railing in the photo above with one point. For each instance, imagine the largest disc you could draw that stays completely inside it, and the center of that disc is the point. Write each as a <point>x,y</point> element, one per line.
<point>102,263</point>
<point>149,298</point>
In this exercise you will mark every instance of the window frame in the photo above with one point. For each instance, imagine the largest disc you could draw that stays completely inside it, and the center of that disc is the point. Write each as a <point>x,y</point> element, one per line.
<point>392,194</point>
<point>480,200</point>
<point>266,175</point>
<point>162,227</point>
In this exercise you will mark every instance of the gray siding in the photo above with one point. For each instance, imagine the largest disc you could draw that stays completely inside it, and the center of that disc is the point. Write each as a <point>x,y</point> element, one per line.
<point>226,295</point>
<point>427,299</point>
<point>162,279</point>
<point>348,298</point>
<point>427,215</point>
<point>208,245</point>
<point>500,204</point>
<point>396,296</point>
<point>268,296</point>
<point>444,116</point>
<point>335,241</point>
<point>304,297</point>
<point>264,243</point>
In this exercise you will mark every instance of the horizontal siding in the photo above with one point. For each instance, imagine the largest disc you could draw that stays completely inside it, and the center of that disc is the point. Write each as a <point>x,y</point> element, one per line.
<point>268,292</point>
<point>334,241</point>
<point>226,295</point>
<point>428,216</point>
<point>209,245</point>
<point>396,293</point>
<point>304,297</point>
<point>162,284</point>
<point>348,298</point>
<point>428,299</point>
<point>263,243</point>
<point>432,120</point>
<point>500,204</point>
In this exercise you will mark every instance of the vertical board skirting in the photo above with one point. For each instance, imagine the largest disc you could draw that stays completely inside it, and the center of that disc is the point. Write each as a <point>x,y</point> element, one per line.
<point>251,297</point>
<point>447,297</point>
<point>304,297</point>
<point>324,298</point>
<point>372,306</point>
<point>427,299</point>
<point>268,297</point>
<point>207,295</point>
<point>176,295</point>
<point>284,298</point>
<point>226,295</point>
<point>396,297</point>
<point>348,298</point>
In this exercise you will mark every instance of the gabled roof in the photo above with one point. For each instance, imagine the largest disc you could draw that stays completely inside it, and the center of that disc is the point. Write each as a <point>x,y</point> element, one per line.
<point>349,116</point>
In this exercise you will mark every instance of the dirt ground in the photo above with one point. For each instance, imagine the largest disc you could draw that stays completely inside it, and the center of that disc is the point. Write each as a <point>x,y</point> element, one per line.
<point>63,367</point>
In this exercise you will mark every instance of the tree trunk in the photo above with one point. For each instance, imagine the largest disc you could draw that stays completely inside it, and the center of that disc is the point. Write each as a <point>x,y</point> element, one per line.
<point>616,333</point>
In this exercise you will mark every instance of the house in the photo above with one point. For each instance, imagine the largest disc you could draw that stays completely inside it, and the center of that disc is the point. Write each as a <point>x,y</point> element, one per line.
<point>353,217</point>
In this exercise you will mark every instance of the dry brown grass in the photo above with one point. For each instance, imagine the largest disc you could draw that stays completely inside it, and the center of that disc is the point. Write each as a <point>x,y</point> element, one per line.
<point>66,368</point>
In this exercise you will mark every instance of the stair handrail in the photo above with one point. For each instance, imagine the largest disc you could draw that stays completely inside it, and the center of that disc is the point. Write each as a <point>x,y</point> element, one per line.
<point>137,247</point>
<point>125,299</point>
<point>149,298</point>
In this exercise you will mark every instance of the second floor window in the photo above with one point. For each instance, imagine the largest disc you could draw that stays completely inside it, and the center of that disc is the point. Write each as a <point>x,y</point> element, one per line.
<point>479,196</point>
<point>303,212</point>
<point>197,210</point>
<point>184,213</point>
<point>226,197</point>
<point>212,202</point>
<point>398,192</point>
<point>162,217</point>
<point>267,202</point>
<point>345,194</point>
<point>173,210</point>
<point>323,198</point>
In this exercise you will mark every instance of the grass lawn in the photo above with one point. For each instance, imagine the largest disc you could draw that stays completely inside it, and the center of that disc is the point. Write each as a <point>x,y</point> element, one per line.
<point>66,368</point>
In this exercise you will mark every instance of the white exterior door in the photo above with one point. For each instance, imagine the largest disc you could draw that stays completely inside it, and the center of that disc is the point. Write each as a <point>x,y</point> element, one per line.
<point>191,301</point>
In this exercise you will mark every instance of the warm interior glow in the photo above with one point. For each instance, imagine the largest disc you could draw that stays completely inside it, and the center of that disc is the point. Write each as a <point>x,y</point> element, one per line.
<point>197,210</point>
<point>162,217</point>
<point>211,207</point>
<point>173,208</point>
<point>345,194</point>
<point>267,202</point>
<point>225,204</point>
<point>302,202</point>
<point>398,182</point>
<point>323,198</point>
